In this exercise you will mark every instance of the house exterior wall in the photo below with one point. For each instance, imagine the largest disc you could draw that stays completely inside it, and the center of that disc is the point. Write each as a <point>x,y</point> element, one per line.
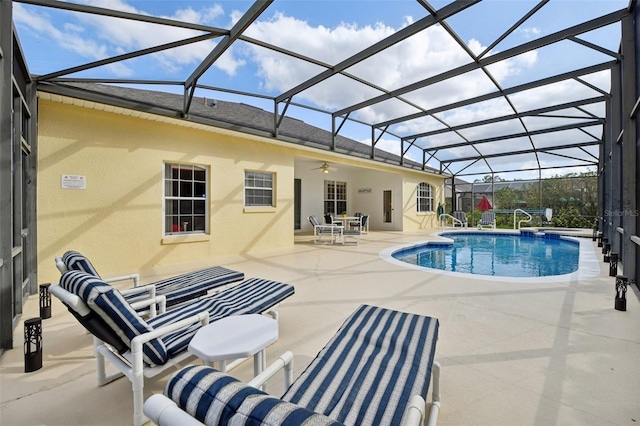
<point>414,221</point>
<point>117,221</point>
<point>366,182</point>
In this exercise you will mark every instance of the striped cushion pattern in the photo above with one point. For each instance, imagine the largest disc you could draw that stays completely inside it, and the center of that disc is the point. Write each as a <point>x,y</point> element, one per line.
<point>178,289</point>
<point>193,285</point>
<point>215,398</point>
<point>368,371</point>
<point>109,304</point>
<point>77,262</point>
<point>253,296</point>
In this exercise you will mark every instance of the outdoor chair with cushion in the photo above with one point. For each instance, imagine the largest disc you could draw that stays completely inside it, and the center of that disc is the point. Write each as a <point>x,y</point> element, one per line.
<point>351,234</point>
<point>364,224</point>
<point>177,289</point>
<point>361,224</point>
<point>461,218</point>
<point>139,347</point>
<point>328,220</point>
<point>333,232</point>
<point>375,370</point>
<point>355,223</point>
<point>487,219</point>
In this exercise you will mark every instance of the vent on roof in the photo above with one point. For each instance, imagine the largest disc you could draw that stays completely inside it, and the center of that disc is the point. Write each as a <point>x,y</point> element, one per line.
<point>210,102</point>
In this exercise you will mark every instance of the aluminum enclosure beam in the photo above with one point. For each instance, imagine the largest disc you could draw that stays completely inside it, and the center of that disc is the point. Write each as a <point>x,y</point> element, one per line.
<point>509,53</point>
<point>402,34</point>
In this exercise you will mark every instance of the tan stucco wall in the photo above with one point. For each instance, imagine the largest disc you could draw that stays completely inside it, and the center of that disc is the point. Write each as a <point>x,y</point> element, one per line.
<point>412,220</point>
<point>117,220</point>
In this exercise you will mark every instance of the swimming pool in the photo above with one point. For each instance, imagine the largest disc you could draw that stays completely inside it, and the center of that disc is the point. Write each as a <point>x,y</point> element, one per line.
<point>494,254</point>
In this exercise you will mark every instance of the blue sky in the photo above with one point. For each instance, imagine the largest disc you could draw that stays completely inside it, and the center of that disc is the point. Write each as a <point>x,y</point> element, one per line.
<point>330,31</point>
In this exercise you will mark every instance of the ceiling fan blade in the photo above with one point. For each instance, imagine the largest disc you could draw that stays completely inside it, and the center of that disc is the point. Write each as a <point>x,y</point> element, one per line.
<point>325,168</point>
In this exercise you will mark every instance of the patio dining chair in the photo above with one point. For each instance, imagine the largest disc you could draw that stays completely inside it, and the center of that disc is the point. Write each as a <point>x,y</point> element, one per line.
<point>319,230</point>
<point>363,226</point>
<point>178,289</point>
<point>376,370</point>
<point>355,223</point>
<point>139,347</point>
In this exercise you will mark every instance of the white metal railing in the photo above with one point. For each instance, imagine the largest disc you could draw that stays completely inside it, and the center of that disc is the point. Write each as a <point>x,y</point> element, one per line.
<point>515,212</point>
<point>442,219</point>
<point>620,230</point>
<point>635,239</point>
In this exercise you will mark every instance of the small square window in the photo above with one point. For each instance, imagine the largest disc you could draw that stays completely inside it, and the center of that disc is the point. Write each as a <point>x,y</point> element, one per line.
<point>258,188</point>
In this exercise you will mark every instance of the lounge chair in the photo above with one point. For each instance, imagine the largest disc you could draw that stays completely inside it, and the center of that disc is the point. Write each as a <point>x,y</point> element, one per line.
<point>139,347</point>
<point>374,371</point>
<point>487,219</point>
<point>461,218</point>
<point>319,230</point>
<point>177,290</point>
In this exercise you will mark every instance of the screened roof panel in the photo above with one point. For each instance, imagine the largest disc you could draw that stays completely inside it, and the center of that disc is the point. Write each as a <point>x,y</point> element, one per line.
<point>562,138</point>
<point>419,125</point>
<point>497,147</point>
<point>502,128</point>
<point>479,111</point>
<point>423,55</point>
<point>440,141</point>
<point>459,76</point>
<point>455,89</point>
<point>550,122</point>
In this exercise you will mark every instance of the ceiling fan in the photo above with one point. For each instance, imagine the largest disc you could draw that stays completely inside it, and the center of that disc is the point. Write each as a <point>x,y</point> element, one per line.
<point>325,168</point>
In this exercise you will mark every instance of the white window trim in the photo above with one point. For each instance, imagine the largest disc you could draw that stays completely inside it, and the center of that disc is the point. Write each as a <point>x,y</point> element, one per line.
<point>189,236</point>
<point>420,197</point>
<point>264,208</point>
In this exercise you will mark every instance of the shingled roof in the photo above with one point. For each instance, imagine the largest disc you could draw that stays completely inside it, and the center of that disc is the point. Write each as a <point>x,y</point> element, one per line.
<point>228,115</point>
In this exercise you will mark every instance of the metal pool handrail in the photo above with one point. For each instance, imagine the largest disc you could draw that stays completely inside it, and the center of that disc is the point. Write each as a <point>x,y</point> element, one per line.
<point>523,220</point>
<point>443,219</point>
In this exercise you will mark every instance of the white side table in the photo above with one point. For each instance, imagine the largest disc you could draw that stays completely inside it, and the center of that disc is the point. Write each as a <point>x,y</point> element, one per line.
<point>238,336</point>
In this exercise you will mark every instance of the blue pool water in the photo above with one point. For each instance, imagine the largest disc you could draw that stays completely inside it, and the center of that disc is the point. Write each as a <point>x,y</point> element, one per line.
<point>496,254</point>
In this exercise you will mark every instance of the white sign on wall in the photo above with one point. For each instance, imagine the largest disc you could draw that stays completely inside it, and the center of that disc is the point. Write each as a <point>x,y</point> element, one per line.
<point>73,182</point>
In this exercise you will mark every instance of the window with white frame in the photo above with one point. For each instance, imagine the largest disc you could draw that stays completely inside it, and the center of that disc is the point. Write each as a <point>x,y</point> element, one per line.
<point>258,188</point>
<point>424,201</point>
<point>185,199</point>
<point>335,197</point>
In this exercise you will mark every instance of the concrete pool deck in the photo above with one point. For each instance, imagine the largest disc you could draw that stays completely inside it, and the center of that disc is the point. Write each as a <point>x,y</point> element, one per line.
<point>512,353</point>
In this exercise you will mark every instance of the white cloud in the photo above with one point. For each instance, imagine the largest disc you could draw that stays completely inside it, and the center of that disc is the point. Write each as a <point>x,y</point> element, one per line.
<point>423,55</point>
<point>73,39</point>
<point>133,35</point>
<point>530,32</point>
<point>98,37</point>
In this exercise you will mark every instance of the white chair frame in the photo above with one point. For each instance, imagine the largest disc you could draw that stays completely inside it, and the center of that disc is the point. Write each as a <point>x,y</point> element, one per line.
<point>482,223</point>
<point>131,364</point>
<point>164,412</point>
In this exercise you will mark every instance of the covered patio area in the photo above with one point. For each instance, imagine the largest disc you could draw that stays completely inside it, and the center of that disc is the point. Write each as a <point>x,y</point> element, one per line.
<point>511,352</point>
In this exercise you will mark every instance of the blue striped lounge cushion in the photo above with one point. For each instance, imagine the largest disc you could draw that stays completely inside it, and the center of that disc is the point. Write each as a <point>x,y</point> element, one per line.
<point>196,284</point>
<point>369,370</point>
<point>178,289</point>
<point>253,296</point>
<point>215,398</point>
<point>109,304</point>
<point>74,261</point>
